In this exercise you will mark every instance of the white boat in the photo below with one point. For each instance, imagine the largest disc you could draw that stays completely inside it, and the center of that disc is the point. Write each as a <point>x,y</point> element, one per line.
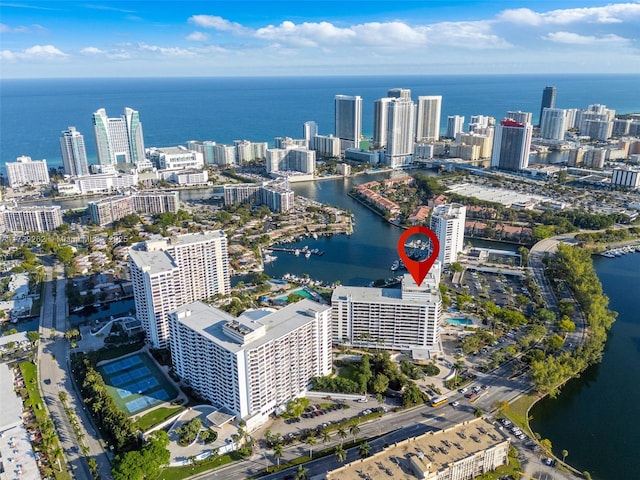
<point>307,254</point>
<point>395,265</point>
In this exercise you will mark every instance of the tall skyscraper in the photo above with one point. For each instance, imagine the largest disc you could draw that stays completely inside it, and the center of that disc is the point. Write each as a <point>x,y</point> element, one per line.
<point>380,122</point>
<point>118,140</point>
<point>74,154</point>
<point>511,145</point>
<point>520,116</point>
<point>548,100</point>
<point>170,272</point>
<point>553,123</point>
<point>455,125</point>
<point>309,130</point>
<point>399,93</point>
<point>400,131</point>
<point>428,120</point>
<point>447,221</point>
<point>348,120</point>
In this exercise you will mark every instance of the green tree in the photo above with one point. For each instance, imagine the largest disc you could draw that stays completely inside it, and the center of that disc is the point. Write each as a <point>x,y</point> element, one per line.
<point>365,448</point>
<point>340,453</point>
<point>33,336</point>
<point>566,325</point>
<point>380,383</point>
<point>311,441</point>
<point>277,452</point>
<point>342,433</point>
<point>302,473</point>
<point>564,455</point>
<point>65,254</point>
<point>412,395</point>
<point>478,412</point>
<point>554,343</point>
<point>354,429</point>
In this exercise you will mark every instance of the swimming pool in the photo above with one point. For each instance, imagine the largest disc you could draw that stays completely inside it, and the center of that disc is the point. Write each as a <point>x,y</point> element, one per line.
<point>459,321</point>
<point>302,292</point>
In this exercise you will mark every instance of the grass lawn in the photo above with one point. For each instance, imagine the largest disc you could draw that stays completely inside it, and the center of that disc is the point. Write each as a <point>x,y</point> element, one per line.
<point>349,371</point>
<point>517,411</point>
<point>29,374</point>
<point>157,416</point>
<point>109,353</point>
<point>178,473</point>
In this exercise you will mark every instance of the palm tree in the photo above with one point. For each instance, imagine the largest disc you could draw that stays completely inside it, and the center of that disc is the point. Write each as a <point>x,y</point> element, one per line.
<point>564,454</point>
<point>56,453</point>
<point>502,406</point>
<point>277,452</point>
<point>340,453</point>
<point>311,440</point>
<point>301,473</point>
<point>365,448</point>
<point>342,433</point>
<point>354,430</point>
<point>326,436</point>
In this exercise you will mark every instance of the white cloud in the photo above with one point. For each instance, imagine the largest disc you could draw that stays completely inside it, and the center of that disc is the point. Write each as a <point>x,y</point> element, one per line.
<point>218,23</point>
<point>197,37</point>
<point>37,52</point>
<point>92,51</point>
<point>576,39</point>
<point>614,13</point>
<point>167,51</point>
<point>35,28</point>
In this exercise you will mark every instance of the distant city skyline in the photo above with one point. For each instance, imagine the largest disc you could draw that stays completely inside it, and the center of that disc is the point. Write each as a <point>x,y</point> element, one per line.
<point>42,39</point>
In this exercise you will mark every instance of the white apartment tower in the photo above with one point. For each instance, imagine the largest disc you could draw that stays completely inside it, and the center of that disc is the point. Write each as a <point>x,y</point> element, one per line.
<point>119,140</point>
<point>254,363</point>
<point>25,171</point>
<point>74,153</point>
<point>348,120</point>
<point>380,122</point>
<point>170,272</point>
<point>553,123</point>
<point>400,132</point>
<point>428,119</point>
<point>447,221</point>
<point>455,125</point>
<point>388,318</point>
<point>309,130</point>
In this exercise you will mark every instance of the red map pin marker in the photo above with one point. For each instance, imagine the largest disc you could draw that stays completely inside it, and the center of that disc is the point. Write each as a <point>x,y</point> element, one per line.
<point>419,270</point>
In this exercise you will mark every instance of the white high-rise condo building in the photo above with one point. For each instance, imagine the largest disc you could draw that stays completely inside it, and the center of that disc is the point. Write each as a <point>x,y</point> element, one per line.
<point>25,171</point>
<point>255,363</point>
<point>511,145</point>
<point>455,125</point>
<point>408,318</point>
<point>348,120</point>
<point>309,130</point>
<point>447,221</point>
<point>520,116</point>
<point>31,219</point>
<point>553,123</point>
<point>119,140</point>
<point>74,153</point>
<point>380,122</point>
<point>400,132</point>
<point>428,121</point>
<point>170,272</point>
<point>399,93</point>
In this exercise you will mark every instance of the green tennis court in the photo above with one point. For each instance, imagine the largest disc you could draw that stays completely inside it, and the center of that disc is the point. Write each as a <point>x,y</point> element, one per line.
<point>135,383</point>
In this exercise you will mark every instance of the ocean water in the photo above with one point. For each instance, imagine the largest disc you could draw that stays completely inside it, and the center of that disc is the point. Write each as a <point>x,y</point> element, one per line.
<point>33,113</point>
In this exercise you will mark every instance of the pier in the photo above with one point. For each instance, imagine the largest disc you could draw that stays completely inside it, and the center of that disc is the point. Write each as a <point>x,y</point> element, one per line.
<point>306,251</point>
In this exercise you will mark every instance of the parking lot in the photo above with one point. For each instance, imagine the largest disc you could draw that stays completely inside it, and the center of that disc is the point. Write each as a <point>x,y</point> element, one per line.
<point>501,289</point>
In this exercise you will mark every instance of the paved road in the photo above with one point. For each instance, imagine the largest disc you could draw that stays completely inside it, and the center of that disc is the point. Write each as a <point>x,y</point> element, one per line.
<point>53,363</point>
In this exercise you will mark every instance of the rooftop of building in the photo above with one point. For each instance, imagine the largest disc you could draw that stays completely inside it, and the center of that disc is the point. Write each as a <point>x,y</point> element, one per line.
<point>209,322</point>
<point>11,411</point>
<point>434,451</point>
<point>385,295</point>
<point>152,262</point>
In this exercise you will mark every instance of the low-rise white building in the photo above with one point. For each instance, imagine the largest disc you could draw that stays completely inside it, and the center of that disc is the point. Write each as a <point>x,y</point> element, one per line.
<point>175,158</point>
<point>255,363</point>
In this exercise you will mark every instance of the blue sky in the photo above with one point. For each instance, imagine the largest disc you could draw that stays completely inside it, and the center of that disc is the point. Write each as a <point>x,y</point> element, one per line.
<point>201,38</point>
